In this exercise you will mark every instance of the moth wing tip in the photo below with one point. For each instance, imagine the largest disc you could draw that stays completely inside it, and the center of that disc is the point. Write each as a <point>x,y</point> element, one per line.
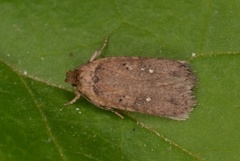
<point>182,117</point>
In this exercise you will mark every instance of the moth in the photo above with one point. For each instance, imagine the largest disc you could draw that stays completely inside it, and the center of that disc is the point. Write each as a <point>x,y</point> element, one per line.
<point>154,86</point>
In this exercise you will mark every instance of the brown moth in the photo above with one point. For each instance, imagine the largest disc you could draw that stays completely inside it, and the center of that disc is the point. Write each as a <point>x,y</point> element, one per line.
<point>154,86</point>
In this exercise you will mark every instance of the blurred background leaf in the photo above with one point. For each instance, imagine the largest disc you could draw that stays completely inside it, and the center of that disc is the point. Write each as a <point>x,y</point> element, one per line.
<point>41,40</point>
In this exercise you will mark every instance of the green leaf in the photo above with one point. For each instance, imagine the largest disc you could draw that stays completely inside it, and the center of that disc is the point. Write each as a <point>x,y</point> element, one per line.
<point>41,40</point>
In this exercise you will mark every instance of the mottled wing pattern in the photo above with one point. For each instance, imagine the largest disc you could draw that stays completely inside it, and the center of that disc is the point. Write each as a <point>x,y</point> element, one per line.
<point>148,85</point>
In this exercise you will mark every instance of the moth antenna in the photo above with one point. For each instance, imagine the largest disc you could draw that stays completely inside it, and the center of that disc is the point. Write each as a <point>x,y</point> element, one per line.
<point>98,52</point>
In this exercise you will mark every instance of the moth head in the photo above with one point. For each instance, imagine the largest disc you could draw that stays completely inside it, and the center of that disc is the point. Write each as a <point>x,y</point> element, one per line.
<point>72,77</point>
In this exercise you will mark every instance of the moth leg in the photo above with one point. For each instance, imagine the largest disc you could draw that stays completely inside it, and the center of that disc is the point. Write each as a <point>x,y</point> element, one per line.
<point>98,52</point>
<point>115,112</point>
<point>122,117</point>
<point>77,96</point>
